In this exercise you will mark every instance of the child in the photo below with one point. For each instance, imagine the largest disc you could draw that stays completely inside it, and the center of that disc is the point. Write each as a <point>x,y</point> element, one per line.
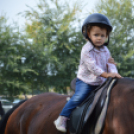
<point>94,67</point>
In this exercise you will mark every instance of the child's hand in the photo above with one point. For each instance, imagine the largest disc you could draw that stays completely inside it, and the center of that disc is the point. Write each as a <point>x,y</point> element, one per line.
<point>111,60</point>
<point>113,75</point>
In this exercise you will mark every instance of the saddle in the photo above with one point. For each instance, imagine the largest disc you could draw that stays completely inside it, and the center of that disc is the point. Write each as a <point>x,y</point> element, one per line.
<point>89,116</point>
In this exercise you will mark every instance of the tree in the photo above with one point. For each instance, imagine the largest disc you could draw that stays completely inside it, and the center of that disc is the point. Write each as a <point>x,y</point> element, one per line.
<point>120,13</point>
<point>13,80</point>
<point>56,42</point>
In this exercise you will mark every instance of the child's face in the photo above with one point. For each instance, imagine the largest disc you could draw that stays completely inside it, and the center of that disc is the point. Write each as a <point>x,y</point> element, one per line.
<point>98,36</point>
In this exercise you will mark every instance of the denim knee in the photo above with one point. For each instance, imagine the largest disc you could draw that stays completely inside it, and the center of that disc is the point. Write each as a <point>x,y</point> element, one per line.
<point>77,98</point>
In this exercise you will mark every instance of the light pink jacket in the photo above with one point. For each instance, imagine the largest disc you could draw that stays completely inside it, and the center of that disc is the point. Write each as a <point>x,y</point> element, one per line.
<point>93,63</point>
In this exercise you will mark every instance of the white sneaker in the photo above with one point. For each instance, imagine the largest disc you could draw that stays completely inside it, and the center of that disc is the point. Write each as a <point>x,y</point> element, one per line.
<point>61,123</point>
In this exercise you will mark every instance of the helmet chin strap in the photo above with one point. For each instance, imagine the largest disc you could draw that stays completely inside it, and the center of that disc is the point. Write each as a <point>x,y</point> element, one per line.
<point>106,44</point>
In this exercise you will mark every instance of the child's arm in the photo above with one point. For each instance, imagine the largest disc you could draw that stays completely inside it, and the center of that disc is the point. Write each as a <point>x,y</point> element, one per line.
<point>111,60</point>
<point>111,67</point>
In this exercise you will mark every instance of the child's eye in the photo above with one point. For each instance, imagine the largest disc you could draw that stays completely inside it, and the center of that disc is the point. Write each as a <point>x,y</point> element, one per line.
<point>96,35</point>
<point>102,35</point>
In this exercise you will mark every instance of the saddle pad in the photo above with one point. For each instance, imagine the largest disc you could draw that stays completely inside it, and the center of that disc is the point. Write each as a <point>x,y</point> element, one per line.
<point>82,114</point>
<point>100,122</point>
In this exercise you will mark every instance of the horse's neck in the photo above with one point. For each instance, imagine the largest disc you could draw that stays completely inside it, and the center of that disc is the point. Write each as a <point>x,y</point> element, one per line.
<point>120,114</point>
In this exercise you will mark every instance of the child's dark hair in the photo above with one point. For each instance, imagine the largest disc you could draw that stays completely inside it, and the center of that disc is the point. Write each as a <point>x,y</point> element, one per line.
<point>89,26</point>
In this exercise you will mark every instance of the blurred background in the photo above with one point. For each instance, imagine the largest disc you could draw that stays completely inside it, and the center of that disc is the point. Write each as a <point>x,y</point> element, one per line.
<point>40,44</point>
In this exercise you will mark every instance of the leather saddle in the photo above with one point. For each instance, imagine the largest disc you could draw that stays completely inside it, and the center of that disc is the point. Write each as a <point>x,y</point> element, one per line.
<point>85,118</point>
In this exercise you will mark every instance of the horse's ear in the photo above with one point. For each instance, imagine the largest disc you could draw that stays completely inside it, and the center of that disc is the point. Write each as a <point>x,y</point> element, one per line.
<point>73,83</point>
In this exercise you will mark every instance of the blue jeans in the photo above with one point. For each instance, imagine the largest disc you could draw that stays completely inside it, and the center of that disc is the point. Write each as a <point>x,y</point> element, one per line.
<point>81,93</point>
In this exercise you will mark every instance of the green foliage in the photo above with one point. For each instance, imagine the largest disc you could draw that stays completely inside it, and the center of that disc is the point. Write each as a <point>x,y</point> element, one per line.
<point>12,70</point>
<point>120,13</point>
<point>46,56</point>
<point>56,43</point>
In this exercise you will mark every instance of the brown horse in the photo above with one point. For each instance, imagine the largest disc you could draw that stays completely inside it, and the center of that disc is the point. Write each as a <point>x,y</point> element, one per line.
<point>36,115</point>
